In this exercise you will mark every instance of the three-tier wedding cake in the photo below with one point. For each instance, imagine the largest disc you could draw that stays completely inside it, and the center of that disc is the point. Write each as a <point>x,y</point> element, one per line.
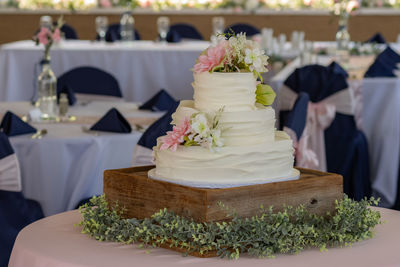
<point>226,136</point>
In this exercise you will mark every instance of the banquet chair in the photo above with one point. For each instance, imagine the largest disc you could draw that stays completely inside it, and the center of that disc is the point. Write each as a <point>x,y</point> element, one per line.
<point>69,32</point>
<point>250,30</point>
<point>113,33</point>
<point>142,155</point>
<point>16,212</point>
<point>340,146</point>
<point>89,81</point>
<point>182,31</point>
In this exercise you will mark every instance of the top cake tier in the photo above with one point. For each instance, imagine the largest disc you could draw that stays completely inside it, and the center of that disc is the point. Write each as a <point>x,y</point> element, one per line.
<point>233,91</point>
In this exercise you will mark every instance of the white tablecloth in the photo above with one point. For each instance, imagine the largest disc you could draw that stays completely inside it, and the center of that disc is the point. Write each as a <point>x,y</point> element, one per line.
<point>380,117</point>
<point>141,68</point>
<point>67,164</point>
<point>55,242</point>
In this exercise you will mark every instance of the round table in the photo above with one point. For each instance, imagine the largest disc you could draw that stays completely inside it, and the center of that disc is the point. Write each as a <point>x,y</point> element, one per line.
<point>67,164</point>
<point>55,241</point>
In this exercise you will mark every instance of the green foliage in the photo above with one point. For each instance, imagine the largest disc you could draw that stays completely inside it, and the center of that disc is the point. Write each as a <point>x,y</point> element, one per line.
<point>264,235</point>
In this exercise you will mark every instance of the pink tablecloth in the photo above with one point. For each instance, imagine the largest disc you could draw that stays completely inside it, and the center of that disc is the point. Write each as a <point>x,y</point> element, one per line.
<point>54,241</point>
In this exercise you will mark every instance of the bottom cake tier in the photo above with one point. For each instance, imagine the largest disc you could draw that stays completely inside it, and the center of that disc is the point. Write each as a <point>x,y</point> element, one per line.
<point>231,165</point>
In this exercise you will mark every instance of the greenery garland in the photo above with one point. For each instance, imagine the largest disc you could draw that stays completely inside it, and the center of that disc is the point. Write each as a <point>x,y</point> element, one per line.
<point>264,235</point>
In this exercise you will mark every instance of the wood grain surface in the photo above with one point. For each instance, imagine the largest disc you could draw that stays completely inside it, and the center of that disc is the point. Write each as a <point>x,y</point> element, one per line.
<point>142,196</point>
<point>21,26</point>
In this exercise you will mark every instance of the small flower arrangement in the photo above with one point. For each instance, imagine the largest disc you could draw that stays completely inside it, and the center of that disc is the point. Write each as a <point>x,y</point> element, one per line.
<point>233,53</point>
<point>49,36</point>
<point>343,8</point>
<point>196,130</point>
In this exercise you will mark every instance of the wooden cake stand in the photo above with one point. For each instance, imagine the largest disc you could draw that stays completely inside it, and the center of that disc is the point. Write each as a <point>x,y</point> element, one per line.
<point>142,196</point>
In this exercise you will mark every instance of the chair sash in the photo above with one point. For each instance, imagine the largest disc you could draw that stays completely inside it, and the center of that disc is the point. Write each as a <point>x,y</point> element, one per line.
<point>142,156</point>
<point>10,176</point>
<point>320,116</point>
<point>305,157</point>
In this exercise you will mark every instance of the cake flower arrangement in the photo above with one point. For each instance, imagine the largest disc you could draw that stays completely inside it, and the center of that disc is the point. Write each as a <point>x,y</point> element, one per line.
<point>198,130</point>
<point>231,53</point>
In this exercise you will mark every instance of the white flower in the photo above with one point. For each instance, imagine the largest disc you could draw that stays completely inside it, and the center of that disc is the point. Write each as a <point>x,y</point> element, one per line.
<point>200,125</point>
<point>216,138</point>
<point>238,42</point>
<point>253,58</point>
<point>206,142</point>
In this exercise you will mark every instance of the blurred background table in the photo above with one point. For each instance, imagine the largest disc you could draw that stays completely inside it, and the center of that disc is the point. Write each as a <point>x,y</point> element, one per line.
<point>67,164</point>
<point>55,241</point>
<point>142,68</point>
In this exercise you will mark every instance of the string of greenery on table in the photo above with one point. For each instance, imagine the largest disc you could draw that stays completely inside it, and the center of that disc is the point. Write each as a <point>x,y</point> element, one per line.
<point>289,231</point>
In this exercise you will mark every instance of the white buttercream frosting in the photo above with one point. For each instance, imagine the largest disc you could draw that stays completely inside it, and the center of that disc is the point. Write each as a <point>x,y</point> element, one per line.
<point>239,128</point>
<point>252,151</point>
<point>233,91</point>
<point>265,161</point>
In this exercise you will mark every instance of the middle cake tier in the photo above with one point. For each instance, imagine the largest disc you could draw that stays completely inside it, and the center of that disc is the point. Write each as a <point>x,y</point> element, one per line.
<point>239,128</point>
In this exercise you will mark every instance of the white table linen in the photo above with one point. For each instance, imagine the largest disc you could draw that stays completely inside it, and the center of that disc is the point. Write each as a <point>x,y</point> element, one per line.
<point>141,68</point>
<point>67,164</point>
<point>381,125</point>
<point>54,241</point>
<point>379,119</point>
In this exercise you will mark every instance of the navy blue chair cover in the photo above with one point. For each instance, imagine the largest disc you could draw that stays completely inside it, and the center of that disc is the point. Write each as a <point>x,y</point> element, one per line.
<point>396,205</point>
<point>12,125</point>
<point>377,38</point>
<point>69,32</point>
<point>157,129</point>
<point>250,30</point>
<point>112,121</point>
<point>384,64</point>
<point>114,33</point>
<point>180,31</point>
<point>346,146</point>
<point>162,101</point>
<point>89,80</point>
<point>16,212</point>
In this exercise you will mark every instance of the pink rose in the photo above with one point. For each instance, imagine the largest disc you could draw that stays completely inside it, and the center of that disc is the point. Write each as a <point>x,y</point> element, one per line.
<point>43,36</point>
<point>57,35</point>
<point>175,137</point>
<point>214,57</point>
<point>105,3</point>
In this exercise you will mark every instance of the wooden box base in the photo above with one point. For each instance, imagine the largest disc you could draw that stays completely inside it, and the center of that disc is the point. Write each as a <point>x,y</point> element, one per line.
<point>142,196</point>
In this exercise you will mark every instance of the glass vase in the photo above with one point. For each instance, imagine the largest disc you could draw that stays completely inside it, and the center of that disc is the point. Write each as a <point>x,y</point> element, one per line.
<point>342,35</point>
<point>343,39</point>
<point>47,91</point>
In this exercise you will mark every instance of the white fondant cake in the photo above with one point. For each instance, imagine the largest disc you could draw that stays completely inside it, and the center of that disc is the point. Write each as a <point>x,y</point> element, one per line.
<point>252,151</point>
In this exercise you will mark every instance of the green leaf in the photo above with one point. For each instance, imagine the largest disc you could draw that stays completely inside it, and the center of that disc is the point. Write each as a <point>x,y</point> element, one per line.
<point>265,95</point>
<point>218,67</point>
